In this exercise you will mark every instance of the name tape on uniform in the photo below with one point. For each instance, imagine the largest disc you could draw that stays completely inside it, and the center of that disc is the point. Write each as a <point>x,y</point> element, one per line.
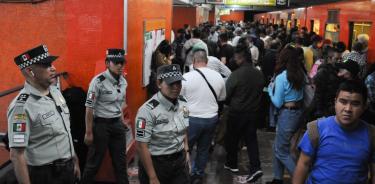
<point>18,138</point>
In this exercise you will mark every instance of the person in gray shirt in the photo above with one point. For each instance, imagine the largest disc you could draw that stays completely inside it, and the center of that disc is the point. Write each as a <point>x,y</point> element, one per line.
<point>105,126</point>
<point>41,146</point>
<point>161,132</point>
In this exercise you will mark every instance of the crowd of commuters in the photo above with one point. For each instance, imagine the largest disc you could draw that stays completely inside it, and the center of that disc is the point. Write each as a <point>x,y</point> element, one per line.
<point>244,76</point>
<point>280,79</point>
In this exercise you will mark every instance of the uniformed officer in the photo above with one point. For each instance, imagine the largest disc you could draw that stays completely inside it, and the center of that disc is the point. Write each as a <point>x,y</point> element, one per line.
<point>40,141</point>
<point>161,132</point>
<point>104,120</point>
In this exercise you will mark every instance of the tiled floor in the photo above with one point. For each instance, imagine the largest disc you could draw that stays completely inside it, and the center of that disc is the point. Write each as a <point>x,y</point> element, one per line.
<point>216,174</point>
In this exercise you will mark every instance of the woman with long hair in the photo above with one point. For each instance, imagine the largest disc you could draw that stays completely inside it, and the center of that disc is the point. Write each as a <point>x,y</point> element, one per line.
<point>160,57</point>
<point>286,94</point>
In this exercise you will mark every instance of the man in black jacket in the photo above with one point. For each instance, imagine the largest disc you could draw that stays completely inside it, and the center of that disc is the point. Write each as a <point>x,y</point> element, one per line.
<point>244,92</point>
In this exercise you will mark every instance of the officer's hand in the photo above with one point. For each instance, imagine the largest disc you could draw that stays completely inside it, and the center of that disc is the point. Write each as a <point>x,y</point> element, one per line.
<point>77,171</point>
<point>154,180</point>
<point>188,163</point>
<point>89,138</point>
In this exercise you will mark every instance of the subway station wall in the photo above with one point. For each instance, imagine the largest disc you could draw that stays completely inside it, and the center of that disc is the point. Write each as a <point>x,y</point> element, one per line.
<point>351,11</point>
<point>189,15</point>
<point>78,32</point>
<point>184,15</point>
<point>236,16</point>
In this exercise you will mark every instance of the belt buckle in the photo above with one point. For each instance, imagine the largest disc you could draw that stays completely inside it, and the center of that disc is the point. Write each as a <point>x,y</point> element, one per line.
<point>60,162</point>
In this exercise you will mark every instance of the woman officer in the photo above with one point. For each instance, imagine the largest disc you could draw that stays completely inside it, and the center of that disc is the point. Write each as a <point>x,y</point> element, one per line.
<point>161,136</point>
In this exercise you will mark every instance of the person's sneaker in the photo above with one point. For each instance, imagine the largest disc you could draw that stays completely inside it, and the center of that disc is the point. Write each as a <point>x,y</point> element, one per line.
<point>275,181</point>
<point>196,179</point>
<point>254,176</point>
<point>233,169</point>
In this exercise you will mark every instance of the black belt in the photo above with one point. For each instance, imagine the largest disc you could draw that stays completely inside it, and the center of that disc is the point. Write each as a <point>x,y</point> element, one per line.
<point>106,120</point>
<point>56,163</point>
<point>291,108</point>
<point>170,156</point>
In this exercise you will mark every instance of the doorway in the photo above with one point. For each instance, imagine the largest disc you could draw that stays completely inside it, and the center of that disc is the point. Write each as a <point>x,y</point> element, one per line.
<point>357,28</point>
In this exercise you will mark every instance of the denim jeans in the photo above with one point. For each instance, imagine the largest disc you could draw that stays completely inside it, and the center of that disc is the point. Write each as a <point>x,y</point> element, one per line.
<point>201,131</point>
<point>287,125</point>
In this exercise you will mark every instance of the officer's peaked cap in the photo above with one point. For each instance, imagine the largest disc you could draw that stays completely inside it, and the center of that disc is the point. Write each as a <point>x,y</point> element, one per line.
<point>169,73</point>
<point>115,54</point>
<point>37,55</point>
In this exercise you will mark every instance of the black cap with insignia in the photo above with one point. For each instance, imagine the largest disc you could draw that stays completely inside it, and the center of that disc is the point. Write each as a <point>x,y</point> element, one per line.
<point>115,55</point>
<point>169,73</point>
<point>37,55</point>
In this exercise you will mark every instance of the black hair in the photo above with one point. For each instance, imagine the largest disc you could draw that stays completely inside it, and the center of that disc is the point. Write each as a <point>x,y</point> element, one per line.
<point>181,31</point>
<point>165,48</point>
<point>340,46</point>
<point>326,50</point>
<point>243,49</point>
<point>357,46</point>
<point>275,44</point>
<point>353,86</point>
<point>196,33</point>
<point>223,37</point>
<point>290,59</point>
<point>297,40</point>
<point>316,38</point>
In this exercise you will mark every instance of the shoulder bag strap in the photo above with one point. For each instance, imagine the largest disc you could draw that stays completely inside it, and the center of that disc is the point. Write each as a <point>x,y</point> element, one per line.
<point>209,85</point>
<point>313,133</point>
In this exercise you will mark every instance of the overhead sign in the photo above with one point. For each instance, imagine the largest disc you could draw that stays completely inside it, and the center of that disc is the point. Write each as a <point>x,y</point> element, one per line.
<point>224,12</point>
<point>251,2</point>
<point>282,3</point>
<point>215,1</point>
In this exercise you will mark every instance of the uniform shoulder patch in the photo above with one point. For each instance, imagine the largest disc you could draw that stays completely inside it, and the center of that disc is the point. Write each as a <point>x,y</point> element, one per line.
<point>22,98</point>
<point>182,98</point>
<point>101,78</point>
<point>153,103</point>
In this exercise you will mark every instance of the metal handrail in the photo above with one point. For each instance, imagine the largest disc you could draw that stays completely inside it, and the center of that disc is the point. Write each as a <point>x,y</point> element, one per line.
<point>18,88</point>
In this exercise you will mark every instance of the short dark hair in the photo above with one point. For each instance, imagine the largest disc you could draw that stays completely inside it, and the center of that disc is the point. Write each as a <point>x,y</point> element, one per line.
<point>181,31</point>
<point>243,49</point>
<point>340,46</point>
<point>223,36</point>
<point>357,46</point>
<point>196,33</point>
<point>353,86</point>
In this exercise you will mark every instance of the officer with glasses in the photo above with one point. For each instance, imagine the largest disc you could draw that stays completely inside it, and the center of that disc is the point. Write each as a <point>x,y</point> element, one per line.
<point>105,126</point>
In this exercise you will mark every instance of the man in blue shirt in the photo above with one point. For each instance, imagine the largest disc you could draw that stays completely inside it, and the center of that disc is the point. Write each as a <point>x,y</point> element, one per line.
<point>343,152</point>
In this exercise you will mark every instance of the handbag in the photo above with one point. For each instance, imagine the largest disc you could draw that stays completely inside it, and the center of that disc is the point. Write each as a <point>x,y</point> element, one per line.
<point>308,92</point>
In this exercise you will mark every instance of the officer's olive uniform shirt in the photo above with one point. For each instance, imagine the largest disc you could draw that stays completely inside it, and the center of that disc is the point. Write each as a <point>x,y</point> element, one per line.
<point>162,125</point>
<point>41,125</point>
<point>106,95</point>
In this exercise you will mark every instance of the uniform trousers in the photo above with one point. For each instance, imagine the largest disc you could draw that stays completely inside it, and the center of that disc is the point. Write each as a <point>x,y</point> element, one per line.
<point>108,133</point>
<point>242,125</point>
<point>58,172</point>
<point>170,169</point>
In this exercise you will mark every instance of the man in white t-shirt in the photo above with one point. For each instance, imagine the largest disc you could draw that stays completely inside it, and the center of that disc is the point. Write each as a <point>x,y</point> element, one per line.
<point>203,108</point>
